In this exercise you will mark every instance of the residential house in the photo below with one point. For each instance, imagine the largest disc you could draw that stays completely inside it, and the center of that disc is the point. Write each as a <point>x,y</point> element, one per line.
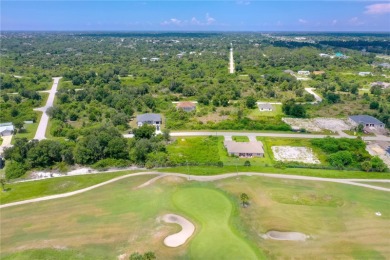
<point>6,129</point>
<point>244,149</point>
<point>366,121</point>
<point>154,59</point>
<point>187,106</point>
<point>265,107</point>
<point>365,73</point>
<point>150,119</point>
<point>324,55</point>
<point>380,84</point>
<point>289,72</point>
<point>304,72</point>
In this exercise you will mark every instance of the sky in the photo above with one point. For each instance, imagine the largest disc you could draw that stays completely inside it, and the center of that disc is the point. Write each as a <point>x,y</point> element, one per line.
<point>200,15</point>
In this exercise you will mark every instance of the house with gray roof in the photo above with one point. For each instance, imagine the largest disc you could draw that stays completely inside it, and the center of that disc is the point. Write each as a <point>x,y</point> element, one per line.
<point>244,149</point>
<point>366,121</point>
<point>6,129</point>
<point>266,107</point>
<point>150,119</point>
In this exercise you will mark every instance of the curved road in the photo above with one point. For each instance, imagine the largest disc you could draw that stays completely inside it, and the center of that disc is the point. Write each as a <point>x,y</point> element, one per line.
<point>206,178</point>
<point>41,130</point>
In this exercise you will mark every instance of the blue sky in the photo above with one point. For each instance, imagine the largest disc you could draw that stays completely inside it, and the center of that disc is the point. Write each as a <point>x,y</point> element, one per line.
<point>238,15</point>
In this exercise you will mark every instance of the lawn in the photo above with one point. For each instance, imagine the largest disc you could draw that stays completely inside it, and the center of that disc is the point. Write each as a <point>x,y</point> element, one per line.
<point>194,150</point>
<point>240,138</point>
<point>29,190</point>
<point>256,113</point>
<point>119,219</point>
<point>28,132</point>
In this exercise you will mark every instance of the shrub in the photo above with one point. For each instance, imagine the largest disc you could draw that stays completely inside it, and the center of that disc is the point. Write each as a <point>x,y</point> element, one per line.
<point>14,170</point>
<point>247,163</point>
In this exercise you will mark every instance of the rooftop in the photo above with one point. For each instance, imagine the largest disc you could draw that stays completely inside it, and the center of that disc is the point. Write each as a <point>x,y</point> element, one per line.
<point>148,117</point>
<point>365,119</point>
<point>184,104</point>
<point>265,106</point>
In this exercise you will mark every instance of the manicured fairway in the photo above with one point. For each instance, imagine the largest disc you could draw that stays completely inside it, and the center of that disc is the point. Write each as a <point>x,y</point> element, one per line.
<point>121,218</point>
<point>216,238</point>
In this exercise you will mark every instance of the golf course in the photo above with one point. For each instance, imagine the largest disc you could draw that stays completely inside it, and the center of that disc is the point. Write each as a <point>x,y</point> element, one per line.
<point>126,216</point>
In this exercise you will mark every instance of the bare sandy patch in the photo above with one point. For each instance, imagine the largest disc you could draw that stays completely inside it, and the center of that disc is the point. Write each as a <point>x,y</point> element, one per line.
<point>294,154</point>
<point>290,236</point>
<point>181,237</point>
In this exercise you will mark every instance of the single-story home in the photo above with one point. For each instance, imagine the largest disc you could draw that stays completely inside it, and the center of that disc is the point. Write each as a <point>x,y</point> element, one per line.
<point>365,73</point>
<point>244,149</point>
<point>324,55</point>
<point>150,119</point>
<point>6,129</point>
<point>366,121</point>
<point>380,84</point>
<point>187,106</point>
<point>289,72</point>
<point>154,59</point>
<point>304,72</point>
<point>266,107</point>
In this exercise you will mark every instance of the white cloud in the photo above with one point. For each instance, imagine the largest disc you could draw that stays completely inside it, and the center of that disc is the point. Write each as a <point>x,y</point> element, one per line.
<point>355,21</point>
<point>378,9</point>
<point>172,21</point>
<point>193,21</point>
<point>209,19</point>
<point>302,21</point>
<point>243,2</point>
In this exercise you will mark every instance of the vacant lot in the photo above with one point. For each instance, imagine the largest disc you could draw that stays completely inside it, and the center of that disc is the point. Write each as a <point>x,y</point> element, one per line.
<point>294,154</point>
<point>120,218</point>
<point>194,150</point>
<point>318,124</point>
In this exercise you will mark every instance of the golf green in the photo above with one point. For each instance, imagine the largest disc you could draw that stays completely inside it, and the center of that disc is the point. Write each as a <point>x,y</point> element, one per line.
<point>215,238</point>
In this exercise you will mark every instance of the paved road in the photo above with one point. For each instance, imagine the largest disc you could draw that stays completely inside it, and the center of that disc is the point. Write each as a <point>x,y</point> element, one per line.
<point>317,97</point>
<point>206,178</point>
<point>254,134</point>
<point>41,130</point>
<point>231,62</point>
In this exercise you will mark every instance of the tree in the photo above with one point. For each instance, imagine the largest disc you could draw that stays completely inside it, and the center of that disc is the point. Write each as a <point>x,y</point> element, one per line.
<point>19,124</point>
<point>14,170</point>
<point>374,105</point>
<point>244,199</point>
<point>247,163</point>
<point>340,159</point>
<point>366,166</point>
<point>166,134</point>
<point>377,164</point>
<point>250,102</point>
<point>145,131</point>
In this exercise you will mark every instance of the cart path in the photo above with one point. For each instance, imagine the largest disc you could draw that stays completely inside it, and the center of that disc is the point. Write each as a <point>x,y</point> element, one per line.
<point>206,178</point>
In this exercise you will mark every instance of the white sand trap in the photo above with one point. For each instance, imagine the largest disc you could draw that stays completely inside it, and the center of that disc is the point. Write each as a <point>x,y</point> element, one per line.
<point>292,236</point>
<point>181,237</point>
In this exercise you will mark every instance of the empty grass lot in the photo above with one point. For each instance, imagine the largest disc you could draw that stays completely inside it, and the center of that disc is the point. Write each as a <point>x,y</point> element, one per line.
<point>120,218</point>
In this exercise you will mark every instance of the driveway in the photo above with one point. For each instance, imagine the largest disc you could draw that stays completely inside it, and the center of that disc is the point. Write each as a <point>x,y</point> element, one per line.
<point>317,97</point>
<point>6,142</point>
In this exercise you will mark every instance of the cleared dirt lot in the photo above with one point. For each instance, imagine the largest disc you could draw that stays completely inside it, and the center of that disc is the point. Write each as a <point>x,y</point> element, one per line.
<point>319,124</point>
<point>294,154</point>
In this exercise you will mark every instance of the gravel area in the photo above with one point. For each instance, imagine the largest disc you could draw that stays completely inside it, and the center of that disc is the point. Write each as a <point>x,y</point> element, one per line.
<point>294,154</point>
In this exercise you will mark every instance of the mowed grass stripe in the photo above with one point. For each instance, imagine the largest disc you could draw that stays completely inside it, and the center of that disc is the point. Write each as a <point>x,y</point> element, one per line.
<point>216,237</point>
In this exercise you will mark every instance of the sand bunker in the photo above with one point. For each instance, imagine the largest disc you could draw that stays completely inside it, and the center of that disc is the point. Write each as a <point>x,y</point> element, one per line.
<point>292,236</point>
<point>181,237</point>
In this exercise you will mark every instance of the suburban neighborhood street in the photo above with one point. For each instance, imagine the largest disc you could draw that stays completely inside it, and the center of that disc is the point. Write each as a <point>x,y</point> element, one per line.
<point>354,182</point>
<point>317,97</point>
<point>252,135</point>
<point>41,130</point>
<point>231,62</point>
